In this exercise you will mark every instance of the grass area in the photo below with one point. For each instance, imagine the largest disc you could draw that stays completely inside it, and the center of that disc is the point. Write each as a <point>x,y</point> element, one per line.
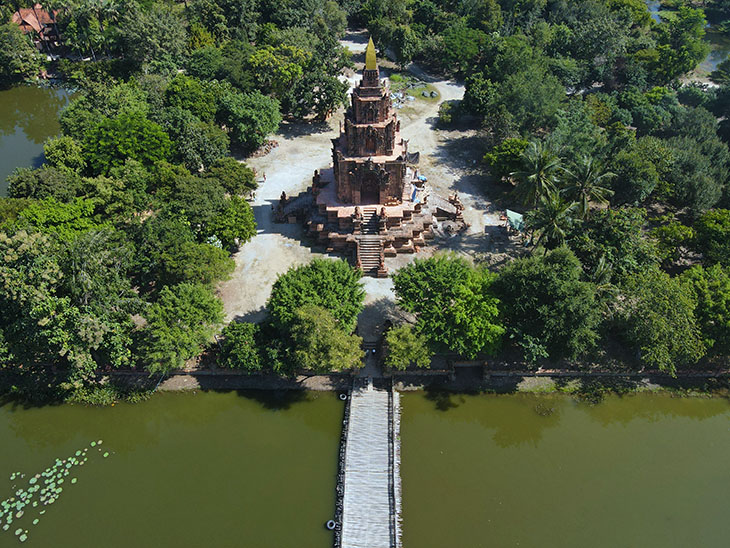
<point>407,83</point>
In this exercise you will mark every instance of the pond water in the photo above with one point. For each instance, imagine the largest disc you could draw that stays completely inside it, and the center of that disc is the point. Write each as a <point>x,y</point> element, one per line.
<point>28,116</point>
<point>183,470</point>
<point>548,472</point>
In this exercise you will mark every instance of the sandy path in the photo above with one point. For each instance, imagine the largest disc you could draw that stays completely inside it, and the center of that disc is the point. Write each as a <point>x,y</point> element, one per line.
<point>448,159</point>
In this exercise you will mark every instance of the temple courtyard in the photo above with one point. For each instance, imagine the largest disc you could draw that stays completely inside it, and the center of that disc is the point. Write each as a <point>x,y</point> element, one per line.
<point>449,159</point>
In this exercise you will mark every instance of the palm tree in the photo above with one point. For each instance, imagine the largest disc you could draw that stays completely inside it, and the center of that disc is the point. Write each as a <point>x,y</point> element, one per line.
<point>540,176</point>
<point>551,219</point>
<point>585,184</point>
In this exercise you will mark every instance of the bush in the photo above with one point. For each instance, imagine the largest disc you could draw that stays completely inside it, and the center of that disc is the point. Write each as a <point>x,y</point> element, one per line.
<point>240,347</point>
<point>320,344</point>
<point>406,347</point>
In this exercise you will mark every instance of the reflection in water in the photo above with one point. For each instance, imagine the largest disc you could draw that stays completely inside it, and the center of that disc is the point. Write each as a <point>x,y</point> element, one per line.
<point>203,469</point>
<point>34,110</point>
<point>551,472</point>
<point>28,116</point>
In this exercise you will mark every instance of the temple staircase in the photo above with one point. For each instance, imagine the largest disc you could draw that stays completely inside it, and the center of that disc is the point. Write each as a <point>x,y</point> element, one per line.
<point>370,220</point>
<point>369,251</point>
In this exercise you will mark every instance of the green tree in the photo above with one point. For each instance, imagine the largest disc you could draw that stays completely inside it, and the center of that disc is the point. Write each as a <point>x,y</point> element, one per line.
<point>332,285</point>
<point>189,94</point>
<point>636,177</point>
<point>545,303</point>
<point>506,158</point>
<point>126,136</point>
<point>64,152</point>
<point>713,236</point>
<point>45,182</point>
<point>251,118</point>
<point>154,39</point>
<point>540,173</point>
<point>319,342</point>
<point>532,97</point>
<point>67,316</point>
<point>167,254</point>
<point>276,69</point>
<point>551,219</point>
<point>195,144</point>
<point>584,183</point>
<point>234,176</point>
<point>235,225</point>
<point>670,238</point>
<point>455,307</point>
<point>179,325</point>
<point>711,291</point>
<point>240,347</point>
<point>19,59</point>
<point>680,43</point>
<point>405,43</point>
<point>615,237</point>
<point>406,347</point>
<point>65,220</point>
<point>658,320</point>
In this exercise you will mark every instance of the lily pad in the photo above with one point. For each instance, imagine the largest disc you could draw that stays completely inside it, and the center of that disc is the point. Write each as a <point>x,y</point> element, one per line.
<point>23,537</point>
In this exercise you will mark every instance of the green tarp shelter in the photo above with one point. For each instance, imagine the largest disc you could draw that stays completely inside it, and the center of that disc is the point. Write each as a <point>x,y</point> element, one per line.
<point>516,220</point>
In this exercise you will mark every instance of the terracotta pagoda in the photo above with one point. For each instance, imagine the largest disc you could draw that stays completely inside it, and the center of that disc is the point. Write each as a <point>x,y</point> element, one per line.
<point>372,203</point>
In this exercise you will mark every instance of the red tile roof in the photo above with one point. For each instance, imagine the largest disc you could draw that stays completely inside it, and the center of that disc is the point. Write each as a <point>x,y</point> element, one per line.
<point>36,18</point>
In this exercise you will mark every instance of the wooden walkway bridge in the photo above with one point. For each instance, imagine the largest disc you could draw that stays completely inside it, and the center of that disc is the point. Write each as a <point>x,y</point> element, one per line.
<point>368,491</point>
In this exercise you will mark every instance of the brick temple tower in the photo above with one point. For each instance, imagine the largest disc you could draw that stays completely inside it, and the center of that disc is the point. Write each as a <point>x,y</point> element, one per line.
<point>369,156</point>
<point>372,204</point>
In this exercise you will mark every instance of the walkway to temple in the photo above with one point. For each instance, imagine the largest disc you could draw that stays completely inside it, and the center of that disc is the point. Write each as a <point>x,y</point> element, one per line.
<point>370,492</point>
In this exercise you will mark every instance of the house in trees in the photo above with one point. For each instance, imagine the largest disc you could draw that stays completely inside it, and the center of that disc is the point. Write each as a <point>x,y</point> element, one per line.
<point>39,24</point>
<point>371,203</point>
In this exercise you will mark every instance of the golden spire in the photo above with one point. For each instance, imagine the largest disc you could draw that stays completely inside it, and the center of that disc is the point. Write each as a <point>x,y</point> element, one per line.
<point>370,62</point>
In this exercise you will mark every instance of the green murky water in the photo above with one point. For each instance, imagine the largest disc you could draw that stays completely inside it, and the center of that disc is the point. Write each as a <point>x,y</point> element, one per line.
<point>28,116</point>
<point>184,470</point>
<point>546,472</point>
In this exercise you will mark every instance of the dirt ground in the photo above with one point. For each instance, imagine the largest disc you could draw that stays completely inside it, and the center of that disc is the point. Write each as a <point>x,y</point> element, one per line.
<point>448,158</point>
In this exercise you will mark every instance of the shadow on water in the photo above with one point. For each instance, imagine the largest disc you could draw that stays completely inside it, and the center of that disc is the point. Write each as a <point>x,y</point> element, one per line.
<point>442,399</point>
<point>275,400</point>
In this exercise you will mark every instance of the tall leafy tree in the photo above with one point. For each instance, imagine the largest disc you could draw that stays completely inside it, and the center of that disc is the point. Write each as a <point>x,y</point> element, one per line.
<point>179,325</point>
<point>547,308</point>
<point>126,136</point>
<point>332,285</point>
<point>19,59</point>
<point>455,307</point>
<point>658,320</point>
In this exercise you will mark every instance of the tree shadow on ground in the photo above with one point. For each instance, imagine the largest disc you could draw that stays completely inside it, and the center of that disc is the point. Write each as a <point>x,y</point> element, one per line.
<point>251,316</point>
<point>294,129</point>
<point>373,319</point>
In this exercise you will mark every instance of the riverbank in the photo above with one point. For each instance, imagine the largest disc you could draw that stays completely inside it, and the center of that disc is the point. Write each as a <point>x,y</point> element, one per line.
<point>463,380</point>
